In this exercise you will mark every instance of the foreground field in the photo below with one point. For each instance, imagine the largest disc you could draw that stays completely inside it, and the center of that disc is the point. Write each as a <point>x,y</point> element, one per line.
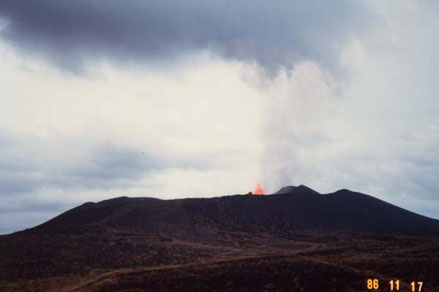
<point>237,261</point>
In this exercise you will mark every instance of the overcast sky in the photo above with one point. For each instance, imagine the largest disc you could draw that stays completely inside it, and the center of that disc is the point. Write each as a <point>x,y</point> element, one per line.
<point>171,99</point>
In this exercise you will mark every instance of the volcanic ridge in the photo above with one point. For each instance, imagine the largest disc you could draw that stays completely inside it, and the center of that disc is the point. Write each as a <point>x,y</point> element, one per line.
<point>278,242</point>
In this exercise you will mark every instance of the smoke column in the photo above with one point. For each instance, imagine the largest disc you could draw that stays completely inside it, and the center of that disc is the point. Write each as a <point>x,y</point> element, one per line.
<point>297,111</point>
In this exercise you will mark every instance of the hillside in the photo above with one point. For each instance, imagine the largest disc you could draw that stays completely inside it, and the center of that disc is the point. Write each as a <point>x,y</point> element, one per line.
<point>292,208</point>
<point>240,242</point>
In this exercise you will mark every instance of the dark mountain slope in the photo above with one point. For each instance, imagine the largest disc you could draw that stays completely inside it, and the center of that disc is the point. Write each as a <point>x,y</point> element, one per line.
<point>292,208</point>
<point>265,243</point>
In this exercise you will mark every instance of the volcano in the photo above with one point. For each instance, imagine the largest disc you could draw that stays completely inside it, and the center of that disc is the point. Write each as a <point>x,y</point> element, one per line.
<point>291,208</point>
<point>236,242</point>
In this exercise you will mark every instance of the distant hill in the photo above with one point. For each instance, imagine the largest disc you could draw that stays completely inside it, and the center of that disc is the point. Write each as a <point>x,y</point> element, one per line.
<point>291,208</point>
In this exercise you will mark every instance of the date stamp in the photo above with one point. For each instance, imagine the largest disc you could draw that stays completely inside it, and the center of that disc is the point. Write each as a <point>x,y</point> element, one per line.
<point>393,285</point>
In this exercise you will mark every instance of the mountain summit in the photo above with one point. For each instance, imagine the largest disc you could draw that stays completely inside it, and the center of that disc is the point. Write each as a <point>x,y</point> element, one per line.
<point>297,190</point>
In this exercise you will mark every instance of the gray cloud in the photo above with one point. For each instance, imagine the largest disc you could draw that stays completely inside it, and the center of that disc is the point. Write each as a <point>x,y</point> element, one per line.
<point>26,170</point>
<point>109,166</point>
<point>70,142</point>
<point>273,33</point>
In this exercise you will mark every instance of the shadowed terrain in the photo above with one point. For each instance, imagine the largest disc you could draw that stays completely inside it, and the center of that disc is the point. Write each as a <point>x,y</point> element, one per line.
<point>294,240</point>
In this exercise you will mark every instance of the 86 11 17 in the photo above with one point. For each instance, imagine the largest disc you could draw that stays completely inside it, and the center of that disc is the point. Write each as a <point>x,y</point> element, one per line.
<point>393,285</point>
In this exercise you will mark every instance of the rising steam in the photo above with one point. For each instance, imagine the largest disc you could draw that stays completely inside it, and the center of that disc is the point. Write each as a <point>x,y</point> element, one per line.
<point>297,112</point>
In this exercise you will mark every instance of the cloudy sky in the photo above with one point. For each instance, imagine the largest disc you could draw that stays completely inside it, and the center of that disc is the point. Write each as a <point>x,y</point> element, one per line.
<point>196,98</point>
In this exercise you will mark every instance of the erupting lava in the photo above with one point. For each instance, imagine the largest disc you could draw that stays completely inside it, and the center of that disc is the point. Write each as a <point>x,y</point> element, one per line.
<point>258,190</point>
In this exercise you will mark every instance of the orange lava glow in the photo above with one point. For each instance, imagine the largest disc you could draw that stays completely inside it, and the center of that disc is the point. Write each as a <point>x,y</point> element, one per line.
<point>259,190</point>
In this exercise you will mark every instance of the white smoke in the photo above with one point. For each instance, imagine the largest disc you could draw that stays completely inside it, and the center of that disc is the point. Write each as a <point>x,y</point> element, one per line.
<point>297,110</point>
